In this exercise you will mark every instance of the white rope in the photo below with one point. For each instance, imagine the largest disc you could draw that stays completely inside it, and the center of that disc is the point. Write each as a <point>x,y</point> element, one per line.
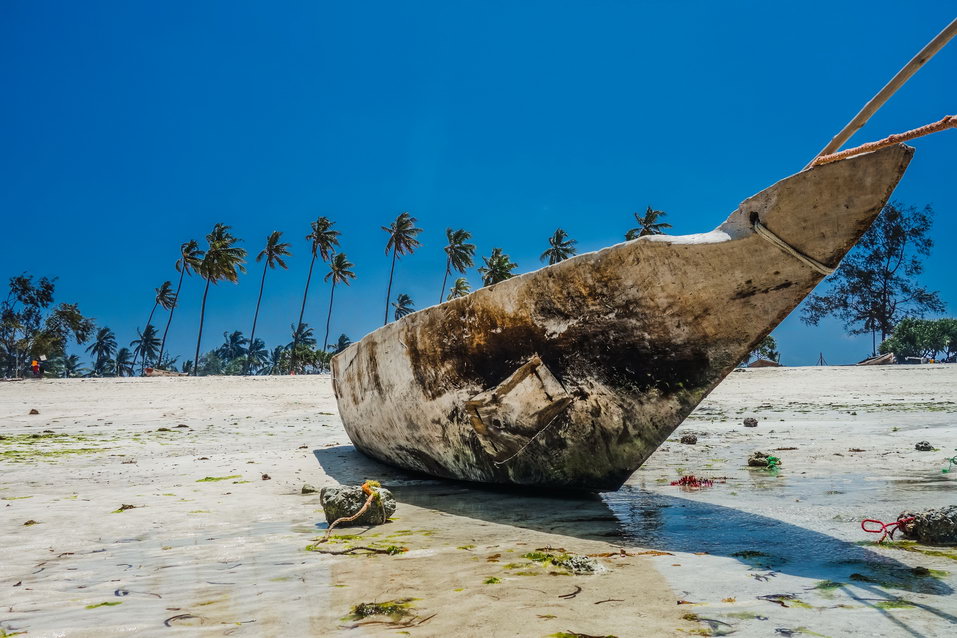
<point>764,233</point>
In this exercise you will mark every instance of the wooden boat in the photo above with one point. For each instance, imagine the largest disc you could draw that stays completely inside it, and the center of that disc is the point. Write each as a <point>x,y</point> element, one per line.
<point>157,372</point>
<point>572,375</point>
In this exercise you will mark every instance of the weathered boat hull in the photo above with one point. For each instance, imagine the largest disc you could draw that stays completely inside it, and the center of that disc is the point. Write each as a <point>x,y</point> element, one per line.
<point>572,375</point>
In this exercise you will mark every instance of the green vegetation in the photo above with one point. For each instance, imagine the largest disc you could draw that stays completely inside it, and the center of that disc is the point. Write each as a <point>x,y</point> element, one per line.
<point>106,604</point>
<point>395,610</point>
<point>210,479</point>
<point>895,604</point>
<point>492,581</point>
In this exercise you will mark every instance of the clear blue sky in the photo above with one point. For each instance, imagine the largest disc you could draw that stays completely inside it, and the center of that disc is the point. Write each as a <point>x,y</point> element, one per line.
<point>130,127</point>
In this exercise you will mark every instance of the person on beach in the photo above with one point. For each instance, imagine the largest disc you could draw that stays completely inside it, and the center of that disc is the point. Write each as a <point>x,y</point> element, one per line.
<point>35,368</point>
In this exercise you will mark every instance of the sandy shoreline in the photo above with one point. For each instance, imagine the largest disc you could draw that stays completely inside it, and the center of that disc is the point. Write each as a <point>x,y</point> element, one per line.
<point>229,556</point>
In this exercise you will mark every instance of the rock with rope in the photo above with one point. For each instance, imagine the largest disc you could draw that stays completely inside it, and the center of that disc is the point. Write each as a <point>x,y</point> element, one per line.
<point>760,459</point>
<point>368,504</point>
<point>936,526</point>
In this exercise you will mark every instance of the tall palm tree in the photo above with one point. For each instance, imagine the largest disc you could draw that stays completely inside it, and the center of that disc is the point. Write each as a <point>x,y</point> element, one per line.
<point>458,253</point>
<point>123,364</point>
<point>190,256</point>
<point>460,288</point>
<point>273,255</point>
<point>402,241</point>
<point>498,267</point>
<point>403,306</point>
<point>223,261</point>
<point>164,297</point>
<point>147,346</point>
<point>339,273</point>
<point>324,240</point>
<point>648,224</point>
<point>560,248</point>
<point>102,348</point>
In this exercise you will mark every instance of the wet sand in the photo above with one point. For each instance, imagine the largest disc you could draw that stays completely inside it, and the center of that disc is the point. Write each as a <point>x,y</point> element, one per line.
<point>759,553</point>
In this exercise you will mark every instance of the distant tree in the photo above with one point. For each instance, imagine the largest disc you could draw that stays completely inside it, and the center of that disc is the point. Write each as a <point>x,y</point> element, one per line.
<point>234,346</point>
<point>876,286</point>
<point>403,306</point>
<point>123,363</point>
<point>302,335</point>
<point>31,326</point>
<point>223,261</point>
<point>766,349</point>
<point>560,248</point>
<point>339,272</point>
<point>210,364</point>
<point>273,255</point>
<point>402,241</point>
<point>922,338</point>
<point>343,343</point>
<point>458,254</point>
<point>278,361</point>
<point>166,362</point>
<point>102,349</point>
<point>164,297</point>
<point>72,367</point>
<point>648,224</point>
<point>323,241</point>
<point>498,267</point>
<point>257,355</point>
<point>145,347</point>
<point>460,288</point>
<point>190,257</point>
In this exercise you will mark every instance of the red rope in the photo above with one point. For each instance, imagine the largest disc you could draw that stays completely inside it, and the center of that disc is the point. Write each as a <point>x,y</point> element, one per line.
<point>887,529</point>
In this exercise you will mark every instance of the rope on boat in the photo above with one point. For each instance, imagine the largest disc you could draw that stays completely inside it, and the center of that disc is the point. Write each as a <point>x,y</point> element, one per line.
<point>766,234</point>
<point>948,122</point>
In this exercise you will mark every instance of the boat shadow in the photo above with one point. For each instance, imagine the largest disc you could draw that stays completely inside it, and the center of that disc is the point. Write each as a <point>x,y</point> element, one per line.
<point>636,517</point>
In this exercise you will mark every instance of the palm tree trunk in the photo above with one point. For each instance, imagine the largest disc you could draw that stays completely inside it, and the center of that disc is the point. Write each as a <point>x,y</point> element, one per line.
<point>302,310</point>
<point>137,352</point>
<point>332,295</point>
<point>252,335</point>
<point>169,320</point>
<point>388,292</point>
<point>202,315</point>
<point>448,263</point>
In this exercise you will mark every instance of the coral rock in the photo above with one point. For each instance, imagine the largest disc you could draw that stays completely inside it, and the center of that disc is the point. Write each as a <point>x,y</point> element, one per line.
<point>342,502</point>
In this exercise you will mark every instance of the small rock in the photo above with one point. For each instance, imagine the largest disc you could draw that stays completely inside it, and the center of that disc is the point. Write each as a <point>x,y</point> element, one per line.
<point>750,422</point>
<point>924,446</point>
<point>341,502</point>
<point>182,425</point>
<point>303,447</point>
<point>308,489</point>
<point>32,522</point>
<point>49,432</point>
<point>163,430</point>
<point>34,411</point>
<point>932,527</point>
<point>689,439</point>
<point>266,477</point>
<point>760,459</point>
<point>124,507</point>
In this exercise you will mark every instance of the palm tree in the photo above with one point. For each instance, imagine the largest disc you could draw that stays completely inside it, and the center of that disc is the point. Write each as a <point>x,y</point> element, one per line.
<point>458,254</point>
<point>102,348</point>
<point>123,363</point>
<point>339,273</point>
<point>276,360</point>
<point>234,346</point>
<point>146,346</point>
<point>223,260</point>
<point>560,248</point>
<point>343,343</point>
<point>403,306</point>
<point>273,253</point>
<point>459,288</point>
<point>302,335</point>
<point>648,224</point>
<point>498,267</point>
<point>164,297</point>
<point>402,241</point>
<point>257,354</point>
<point>190,256</point>
<point>324,240</point>
<point>71,366</point>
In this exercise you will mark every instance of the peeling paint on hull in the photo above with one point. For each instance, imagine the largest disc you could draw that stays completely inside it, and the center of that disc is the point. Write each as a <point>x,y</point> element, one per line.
<point>572,375</point>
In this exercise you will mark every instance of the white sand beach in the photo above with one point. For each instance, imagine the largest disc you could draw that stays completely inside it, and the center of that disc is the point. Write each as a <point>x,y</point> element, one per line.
<point>213,546</point>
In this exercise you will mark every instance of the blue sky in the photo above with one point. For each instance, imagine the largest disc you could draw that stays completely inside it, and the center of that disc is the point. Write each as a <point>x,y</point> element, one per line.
<point>130,127</point>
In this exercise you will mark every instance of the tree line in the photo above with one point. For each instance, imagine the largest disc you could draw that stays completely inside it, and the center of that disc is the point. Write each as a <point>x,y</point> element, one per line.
<point>31,325</point>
